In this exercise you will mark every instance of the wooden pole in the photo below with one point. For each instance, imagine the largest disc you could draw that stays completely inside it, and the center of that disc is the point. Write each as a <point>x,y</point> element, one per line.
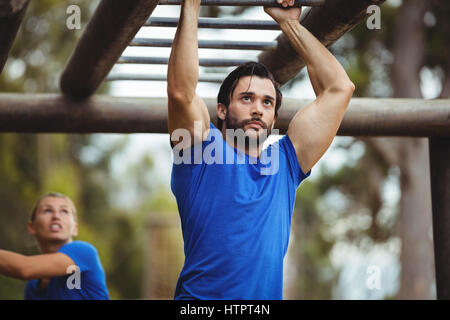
<point>110,30</point>
<point>440,194</point>
<point>11,16</point>
<point>327,23</point>
<point>36,113</point>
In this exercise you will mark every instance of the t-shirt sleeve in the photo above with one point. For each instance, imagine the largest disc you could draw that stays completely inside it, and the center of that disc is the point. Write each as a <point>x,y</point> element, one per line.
<point>186,170</point>
<point>287,147</point>
<point>82,253</point>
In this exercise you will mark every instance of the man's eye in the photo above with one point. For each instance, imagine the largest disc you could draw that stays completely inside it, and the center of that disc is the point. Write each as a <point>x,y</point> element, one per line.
<point>268,102</point>
<point>246,98</point>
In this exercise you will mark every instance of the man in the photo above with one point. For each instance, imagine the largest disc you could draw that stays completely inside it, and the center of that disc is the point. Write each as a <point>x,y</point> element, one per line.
<point>66,269</point>
<point>235,219</point>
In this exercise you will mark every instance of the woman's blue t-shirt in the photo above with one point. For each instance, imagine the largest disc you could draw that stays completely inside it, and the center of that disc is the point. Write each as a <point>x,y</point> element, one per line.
<point>92,280</point>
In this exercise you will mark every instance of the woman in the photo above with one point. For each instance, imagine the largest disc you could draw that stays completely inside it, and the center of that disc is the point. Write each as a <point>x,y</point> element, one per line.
<point>66,269</point>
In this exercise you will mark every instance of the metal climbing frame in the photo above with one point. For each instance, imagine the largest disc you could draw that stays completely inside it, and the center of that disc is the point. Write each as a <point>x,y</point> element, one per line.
<point>206,77</point>
<point>216,23</point>
<point>210,44</point>
<point>164,60</point>
<point>101,47</point>
<point>269,3</point>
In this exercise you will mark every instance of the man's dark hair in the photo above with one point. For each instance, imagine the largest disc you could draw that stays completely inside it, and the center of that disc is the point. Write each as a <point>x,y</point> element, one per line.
<point>231,81</point>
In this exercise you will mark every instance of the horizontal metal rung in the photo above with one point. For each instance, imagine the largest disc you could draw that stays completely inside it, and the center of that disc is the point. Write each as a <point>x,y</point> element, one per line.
<point>249,3</point>
<point>216,23</point>
<point>163,60</point>
<point>211,44</point>
<point>217,78</point>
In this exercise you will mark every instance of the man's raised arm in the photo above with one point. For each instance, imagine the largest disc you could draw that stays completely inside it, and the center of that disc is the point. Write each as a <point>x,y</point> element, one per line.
<point>185,106</point>
<point>313,128</point>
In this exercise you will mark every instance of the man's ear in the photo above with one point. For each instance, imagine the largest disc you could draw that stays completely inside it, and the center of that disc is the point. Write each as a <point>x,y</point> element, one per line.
<point>221,111</point>
<point>31,229</point>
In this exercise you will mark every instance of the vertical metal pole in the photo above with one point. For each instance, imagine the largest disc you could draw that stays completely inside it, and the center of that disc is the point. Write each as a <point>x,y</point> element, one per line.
<point>440,194</point>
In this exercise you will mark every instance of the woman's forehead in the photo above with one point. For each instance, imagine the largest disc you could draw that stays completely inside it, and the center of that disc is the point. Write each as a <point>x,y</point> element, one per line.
<point>54,201</point>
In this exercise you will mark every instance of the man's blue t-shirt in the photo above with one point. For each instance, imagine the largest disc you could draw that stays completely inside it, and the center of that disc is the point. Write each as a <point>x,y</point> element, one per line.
<point>236,218</point>
<point>92,277</point>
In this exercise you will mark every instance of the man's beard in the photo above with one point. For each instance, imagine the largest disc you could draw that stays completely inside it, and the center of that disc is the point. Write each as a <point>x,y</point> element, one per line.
<point>249,140</point>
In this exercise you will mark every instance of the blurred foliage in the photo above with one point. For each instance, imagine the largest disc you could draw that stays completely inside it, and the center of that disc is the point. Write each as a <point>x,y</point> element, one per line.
<point>367,58</point>
<point>31,165</point>
<point>316,275</point>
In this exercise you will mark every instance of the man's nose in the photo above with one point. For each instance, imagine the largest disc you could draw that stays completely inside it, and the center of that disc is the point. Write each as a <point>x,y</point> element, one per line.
<point>257,108</point>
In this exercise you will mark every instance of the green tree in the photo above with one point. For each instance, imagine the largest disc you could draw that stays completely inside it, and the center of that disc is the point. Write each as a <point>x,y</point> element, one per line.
<point>34,164</point>
<point>392,62</point>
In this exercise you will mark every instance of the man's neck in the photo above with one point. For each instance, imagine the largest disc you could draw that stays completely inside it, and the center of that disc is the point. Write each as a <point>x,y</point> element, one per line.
<point>254,151</point>
<point>251,149</point>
